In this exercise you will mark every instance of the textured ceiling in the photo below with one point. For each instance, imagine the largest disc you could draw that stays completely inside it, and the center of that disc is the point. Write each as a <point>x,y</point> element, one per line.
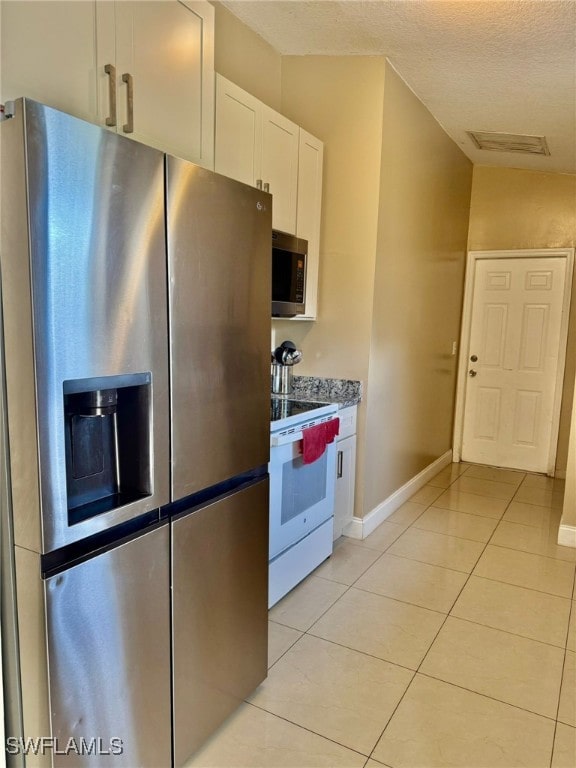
<point>484,65</point>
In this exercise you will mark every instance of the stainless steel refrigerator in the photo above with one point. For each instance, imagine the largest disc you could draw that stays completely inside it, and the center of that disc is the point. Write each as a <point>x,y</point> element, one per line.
<point>134,445</point>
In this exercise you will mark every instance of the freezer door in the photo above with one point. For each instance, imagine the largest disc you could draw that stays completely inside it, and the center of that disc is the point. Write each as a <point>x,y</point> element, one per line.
<point>219,256</point>
<point>84,294</point>
<point>220,617</point>
<point>108,622</point>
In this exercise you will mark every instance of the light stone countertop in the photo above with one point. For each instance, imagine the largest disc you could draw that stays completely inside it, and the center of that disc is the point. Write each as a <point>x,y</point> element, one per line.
<point>345,392</point>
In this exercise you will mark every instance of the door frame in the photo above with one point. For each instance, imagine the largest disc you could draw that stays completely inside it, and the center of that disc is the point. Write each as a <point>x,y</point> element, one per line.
<point>532,253</point>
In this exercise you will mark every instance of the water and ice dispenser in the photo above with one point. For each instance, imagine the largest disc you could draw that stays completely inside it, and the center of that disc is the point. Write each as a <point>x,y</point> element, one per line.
<point>107,443</point>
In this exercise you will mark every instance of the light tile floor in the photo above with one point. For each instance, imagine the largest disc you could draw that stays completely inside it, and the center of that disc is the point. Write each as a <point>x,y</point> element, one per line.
<point>447,638</point>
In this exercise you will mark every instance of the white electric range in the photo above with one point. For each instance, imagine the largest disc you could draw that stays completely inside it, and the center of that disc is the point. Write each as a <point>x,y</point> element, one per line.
<point>301,495</point>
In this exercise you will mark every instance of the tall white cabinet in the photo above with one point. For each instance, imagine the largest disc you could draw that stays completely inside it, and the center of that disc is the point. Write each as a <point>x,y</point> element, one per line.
<point>309,211</point>
<point>143,68</point>
<point>259,146</point>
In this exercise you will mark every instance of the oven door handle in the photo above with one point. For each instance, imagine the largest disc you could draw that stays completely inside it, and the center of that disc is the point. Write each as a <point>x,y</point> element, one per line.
<point>277,440</point>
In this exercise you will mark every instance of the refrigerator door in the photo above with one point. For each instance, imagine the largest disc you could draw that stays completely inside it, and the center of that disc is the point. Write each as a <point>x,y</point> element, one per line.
<point>108,624</point>
<point>219,257</point>
<point>219,613</point>
<point>84,292</point>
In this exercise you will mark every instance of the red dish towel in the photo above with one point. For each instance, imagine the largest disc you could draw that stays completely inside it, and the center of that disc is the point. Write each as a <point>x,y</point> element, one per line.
<point>332,429</point>
<point>315,439</point>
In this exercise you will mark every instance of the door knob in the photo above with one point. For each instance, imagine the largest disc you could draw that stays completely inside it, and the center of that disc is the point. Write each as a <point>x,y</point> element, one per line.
<point>474,358</point>
<point>472,372</point>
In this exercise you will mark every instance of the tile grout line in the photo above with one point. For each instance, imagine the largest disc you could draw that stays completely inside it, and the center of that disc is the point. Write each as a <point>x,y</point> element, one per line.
<point>563,670</point>
<point>412,524</point>
<point>348,588</point>
<point>308,730</point>
<point>429,647</point>
<point>442,626</point>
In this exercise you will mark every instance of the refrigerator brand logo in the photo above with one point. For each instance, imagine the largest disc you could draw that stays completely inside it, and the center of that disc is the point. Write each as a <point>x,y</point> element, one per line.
<point>42,745</point>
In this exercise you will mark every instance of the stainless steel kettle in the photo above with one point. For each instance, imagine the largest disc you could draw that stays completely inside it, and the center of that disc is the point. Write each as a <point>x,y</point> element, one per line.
<point>284,358</point>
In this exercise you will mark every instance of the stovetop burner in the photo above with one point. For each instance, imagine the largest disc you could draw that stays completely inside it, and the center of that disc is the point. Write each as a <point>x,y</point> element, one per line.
<point>283,409</point>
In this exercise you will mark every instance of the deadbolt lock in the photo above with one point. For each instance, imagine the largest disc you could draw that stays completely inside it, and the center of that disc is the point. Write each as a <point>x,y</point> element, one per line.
<point>474,358</point>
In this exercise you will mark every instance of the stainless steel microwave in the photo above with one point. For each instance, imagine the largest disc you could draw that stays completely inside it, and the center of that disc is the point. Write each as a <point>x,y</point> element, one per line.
<point>289,255</point>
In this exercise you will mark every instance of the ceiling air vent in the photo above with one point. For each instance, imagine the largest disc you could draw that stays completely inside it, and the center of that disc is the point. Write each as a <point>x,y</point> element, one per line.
<point>509,142</point>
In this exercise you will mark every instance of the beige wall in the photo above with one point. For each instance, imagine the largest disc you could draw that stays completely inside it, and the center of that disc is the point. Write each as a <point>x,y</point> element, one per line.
<point>339,100</point>
<point>422,233</point>
<point>392,251</point>
<point>393,248</point>
<point>245,58</point>
<point>513,208</point>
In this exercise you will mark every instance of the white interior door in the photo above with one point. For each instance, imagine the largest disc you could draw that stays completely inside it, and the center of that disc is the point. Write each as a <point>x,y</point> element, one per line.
<point>516,337</point>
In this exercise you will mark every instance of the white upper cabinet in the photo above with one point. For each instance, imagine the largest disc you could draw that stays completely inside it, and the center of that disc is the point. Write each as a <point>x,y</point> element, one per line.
<point>142,68</point>
<point>308,214</point>
<point>280,167</point>
<point>238,146</point>
<point>259,146</point>
<point>167,49</point>
<point>49,54</point>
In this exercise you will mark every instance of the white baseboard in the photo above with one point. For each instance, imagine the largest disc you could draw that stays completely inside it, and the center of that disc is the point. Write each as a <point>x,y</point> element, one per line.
<point>361,527</point>
<point>354,528</point>
<point>567,536</point>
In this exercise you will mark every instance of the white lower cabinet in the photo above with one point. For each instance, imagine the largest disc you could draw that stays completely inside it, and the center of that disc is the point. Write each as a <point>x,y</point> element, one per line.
<point>345,470</point>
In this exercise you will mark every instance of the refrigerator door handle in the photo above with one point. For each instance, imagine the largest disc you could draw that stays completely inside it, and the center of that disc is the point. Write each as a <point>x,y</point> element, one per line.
<point>127,78</point>
<point>110,70</point>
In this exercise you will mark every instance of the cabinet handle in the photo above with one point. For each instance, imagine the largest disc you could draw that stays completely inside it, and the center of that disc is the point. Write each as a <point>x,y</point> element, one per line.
<point>110,70</point>
<point>340,463</point>
<point>258,183</point>
<point>266,187</point>
<point>129,80</point>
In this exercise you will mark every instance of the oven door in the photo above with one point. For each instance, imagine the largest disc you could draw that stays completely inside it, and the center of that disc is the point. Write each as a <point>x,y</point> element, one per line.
<point>301,495</point>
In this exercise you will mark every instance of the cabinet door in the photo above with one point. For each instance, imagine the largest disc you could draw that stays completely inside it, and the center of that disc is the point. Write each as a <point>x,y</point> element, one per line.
<point>49,55</point>
<point>168,48</point>
<point>280,138</point>
<point>310,161</point>
<point>345,474</point>
<point>237,151</point>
